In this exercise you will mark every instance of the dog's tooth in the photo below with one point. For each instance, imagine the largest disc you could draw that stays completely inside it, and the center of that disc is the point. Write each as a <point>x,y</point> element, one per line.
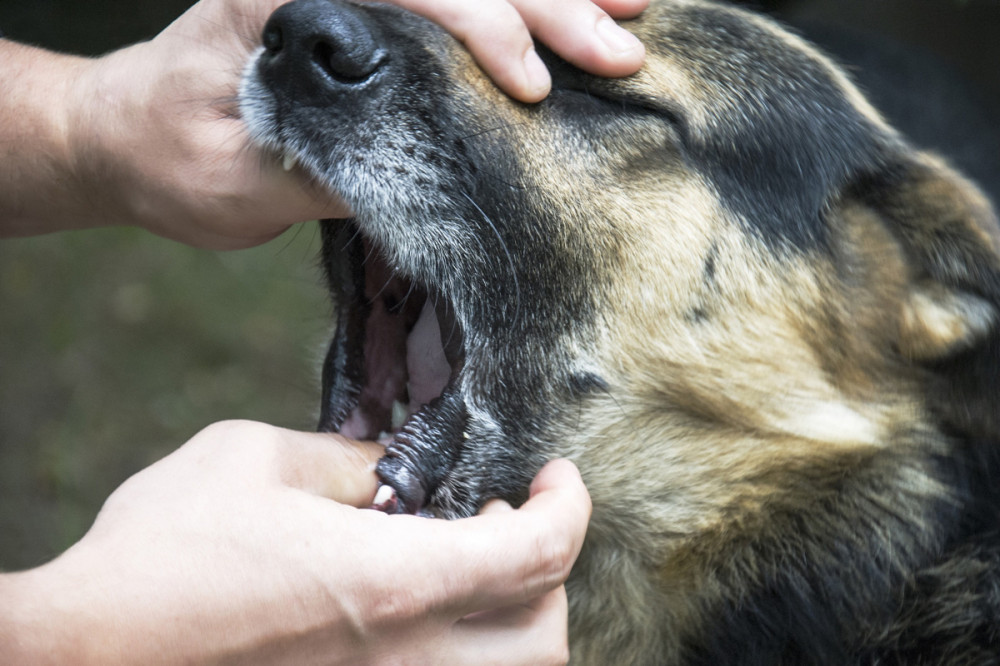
<point>384,496</point>
<point>399,414</point>
<point>288,161</point>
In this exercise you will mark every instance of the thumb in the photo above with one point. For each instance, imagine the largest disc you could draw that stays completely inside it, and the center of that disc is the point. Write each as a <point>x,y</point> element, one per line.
<point>329,465</point>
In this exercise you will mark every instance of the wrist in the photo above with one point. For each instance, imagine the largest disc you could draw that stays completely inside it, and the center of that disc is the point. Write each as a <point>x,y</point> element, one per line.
<point>77,148</point>
<point>41,621</point>
<point>151,149</point>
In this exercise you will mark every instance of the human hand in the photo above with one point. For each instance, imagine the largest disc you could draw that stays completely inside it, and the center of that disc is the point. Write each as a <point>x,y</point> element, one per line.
<point>157,141</point>
<point>231,548</point>
<point>498,34</point>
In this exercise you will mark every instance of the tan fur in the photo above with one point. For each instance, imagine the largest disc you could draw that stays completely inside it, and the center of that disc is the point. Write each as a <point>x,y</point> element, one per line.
<point>792,371</point>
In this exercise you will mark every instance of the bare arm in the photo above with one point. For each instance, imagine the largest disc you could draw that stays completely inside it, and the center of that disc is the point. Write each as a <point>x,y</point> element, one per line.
<point>149,135</point>
<point>36,177</point>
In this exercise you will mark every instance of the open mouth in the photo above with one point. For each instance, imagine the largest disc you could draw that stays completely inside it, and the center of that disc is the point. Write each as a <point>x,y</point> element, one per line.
<point>397,349</point>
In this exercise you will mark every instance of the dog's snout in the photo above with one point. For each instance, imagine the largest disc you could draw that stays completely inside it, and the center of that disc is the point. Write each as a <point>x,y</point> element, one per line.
<point>323,43</point>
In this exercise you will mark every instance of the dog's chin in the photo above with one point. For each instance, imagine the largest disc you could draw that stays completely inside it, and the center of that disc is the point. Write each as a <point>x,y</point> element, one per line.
<point>410,365</point>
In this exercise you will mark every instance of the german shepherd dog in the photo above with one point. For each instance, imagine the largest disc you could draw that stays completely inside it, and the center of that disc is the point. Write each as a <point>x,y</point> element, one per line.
<point>763,324</point>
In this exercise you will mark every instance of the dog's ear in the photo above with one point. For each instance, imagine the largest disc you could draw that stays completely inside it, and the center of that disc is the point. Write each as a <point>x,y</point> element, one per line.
<point>950,318</point>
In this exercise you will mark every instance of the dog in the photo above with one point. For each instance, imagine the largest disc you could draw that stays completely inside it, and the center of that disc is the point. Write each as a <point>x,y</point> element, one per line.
<point>763,324</point>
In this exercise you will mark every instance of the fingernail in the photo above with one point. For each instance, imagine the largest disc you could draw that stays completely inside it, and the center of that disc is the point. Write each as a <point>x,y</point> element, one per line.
<point>536,75</point>
<point>615,37</point>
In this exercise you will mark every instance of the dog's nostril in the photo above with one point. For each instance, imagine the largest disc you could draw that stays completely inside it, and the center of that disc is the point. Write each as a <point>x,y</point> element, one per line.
<point>349,65</point>
<point>322,42</point>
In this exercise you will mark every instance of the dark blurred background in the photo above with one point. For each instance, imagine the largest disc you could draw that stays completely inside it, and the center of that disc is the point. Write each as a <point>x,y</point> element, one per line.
<point>117,346</point>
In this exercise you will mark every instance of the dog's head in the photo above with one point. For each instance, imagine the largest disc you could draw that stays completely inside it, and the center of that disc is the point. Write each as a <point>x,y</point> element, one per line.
<point>730,240</point>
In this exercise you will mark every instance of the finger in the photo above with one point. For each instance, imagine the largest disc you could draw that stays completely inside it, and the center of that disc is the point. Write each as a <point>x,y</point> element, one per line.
<point>623,9</point>
<point>495,506</point>
<point>296,196</point>
<point>497,38</point>
<point>323,464</point>
<point>330,466</point>
<point>583,34</point>
<point>282,198</point>
<point>531,633</point>
<point>503,558</point>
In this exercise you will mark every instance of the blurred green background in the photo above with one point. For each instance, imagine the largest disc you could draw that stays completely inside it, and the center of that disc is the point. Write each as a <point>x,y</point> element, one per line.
<point>117,346</point>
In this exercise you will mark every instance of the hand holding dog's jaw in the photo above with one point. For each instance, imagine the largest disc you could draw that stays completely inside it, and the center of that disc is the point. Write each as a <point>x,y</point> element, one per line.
<point>231,548</point>
<point>498,33</point>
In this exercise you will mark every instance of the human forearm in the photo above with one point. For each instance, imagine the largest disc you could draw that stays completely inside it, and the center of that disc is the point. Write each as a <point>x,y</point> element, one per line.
<point>60,168</point>
<point>38,190</point>
<point>49,618</point>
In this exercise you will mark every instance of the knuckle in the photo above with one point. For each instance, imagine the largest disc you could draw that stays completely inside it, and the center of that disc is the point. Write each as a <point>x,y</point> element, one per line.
<point>242,438</point>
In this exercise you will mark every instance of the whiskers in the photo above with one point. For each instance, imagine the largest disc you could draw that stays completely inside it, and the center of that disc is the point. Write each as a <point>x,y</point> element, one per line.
<point>510,258</point>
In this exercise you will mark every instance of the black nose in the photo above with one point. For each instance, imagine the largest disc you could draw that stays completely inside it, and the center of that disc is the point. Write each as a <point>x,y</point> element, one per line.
<point>320,42</point>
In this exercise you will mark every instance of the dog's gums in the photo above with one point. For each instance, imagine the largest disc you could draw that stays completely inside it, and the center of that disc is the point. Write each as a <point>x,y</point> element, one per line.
<point>394,346</point>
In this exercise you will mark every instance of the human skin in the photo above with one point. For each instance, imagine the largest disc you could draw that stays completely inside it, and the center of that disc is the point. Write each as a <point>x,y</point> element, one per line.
<point>245,545</point>
<point>150,135</point>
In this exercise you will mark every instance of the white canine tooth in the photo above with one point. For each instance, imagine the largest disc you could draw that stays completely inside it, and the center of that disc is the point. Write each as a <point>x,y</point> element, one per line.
<point>385,494</point>
<point>399,414</point>
<point>288,161</point>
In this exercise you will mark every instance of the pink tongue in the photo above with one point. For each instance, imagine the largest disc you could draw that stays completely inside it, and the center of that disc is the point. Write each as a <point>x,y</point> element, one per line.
<point>426,365</point>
